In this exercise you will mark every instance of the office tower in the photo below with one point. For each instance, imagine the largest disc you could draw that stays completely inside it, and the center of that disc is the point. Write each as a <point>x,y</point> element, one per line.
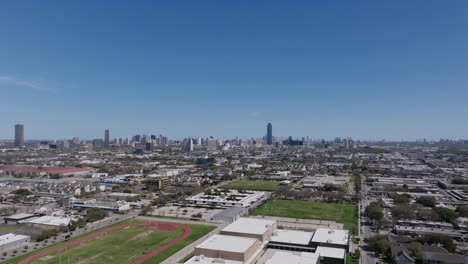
<point>188,145</point>
<point>211,144</point>
<point>346,142</point>
<point>149,146</point>
<point>19,135</point>
<point>269,137</point>
<point>106,138</point>
<point>76,141</point>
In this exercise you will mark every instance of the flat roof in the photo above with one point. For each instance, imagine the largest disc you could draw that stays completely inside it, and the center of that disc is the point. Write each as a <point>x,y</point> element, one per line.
<point>8,238</point>
<point>292,237</point>
<point>332,236</point>
<point>19,216</point>
<point>250,226</point>
<point>228,243</point>
<point>205,260</point>
<point>328,252</point>
<point>281,257</point>
<point>123,194</point>
<point>48,220</point>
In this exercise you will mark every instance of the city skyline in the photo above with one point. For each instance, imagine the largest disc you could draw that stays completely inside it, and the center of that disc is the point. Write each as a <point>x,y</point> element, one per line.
<point>269,138</point>
<point>317,69</point>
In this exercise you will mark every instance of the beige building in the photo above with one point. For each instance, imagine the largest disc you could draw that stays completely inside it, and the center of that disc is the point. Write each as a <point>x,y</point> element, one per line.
<point>228,247</point>
<point>260,229</point>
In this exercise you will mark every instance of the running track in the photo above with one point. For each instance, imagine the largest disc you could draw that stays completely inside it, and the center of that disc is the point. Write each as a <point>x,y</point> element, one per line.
<point>162,225</point>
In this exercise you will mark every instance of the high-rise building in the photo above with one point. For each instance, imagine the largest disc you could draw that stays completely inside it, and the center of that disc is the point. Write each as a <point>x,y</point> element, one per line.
<point>269,137</point>
<point>106,138</point>
<point>188,145</point>
<point>19,135</point>
<point>211,144</point>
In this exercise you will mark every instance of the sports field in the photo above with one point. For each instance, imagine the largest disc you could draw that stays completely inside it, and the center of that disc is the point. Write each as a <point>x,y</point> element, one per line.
<point>341,213</point>
<point>253,185</point>
<point>132,241</point>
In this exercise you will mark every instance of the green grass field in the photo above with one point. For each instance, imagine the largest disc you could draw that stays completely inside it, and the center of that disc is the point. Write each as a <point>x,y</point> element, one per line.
<point>341,213</point>
<point>254,185</point>
<point>121,246</point>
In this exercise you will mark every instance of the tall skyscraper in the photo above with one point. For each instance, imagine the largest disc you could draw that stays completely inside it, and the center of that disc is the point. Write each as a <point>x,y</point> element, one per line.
<point>269,138</point>
<point>19,135</point>
<point>106,138</point>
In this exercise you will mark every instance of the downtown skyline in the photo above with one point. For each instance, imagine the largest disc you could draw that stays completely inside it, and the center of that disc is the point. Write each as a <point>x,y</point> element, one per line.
<point>311,69</point>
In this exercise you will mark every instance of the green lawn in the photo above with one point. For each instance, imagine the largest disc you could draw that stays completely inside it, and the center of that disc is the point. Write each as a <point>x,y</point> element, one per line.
<point>253,185</point>
<point>122,246</point>
<point>341,213</point>
<point>6,228</point>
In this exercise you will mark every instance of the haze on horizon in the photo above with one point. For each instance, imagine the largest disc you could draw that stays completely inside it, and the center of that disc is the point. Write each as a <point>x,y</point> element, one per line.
<point>368,70</point>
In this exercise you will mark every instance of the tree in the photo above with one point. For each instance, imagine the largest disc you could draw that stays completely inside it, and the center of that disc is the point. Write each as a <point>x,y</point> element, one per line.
<point>146,210</point>
<point>446,214</point>
<point>22,192</point>
<point>379,243</point>
<point>416,249</point>
<point>462,210</point>
<point>95,214</point>
<point>403,212</point>
<point>197,216</point>
<point>357,253</point>
<point>401,198</point>
<point>375,211</point>
<point>427,201</point>
<point>434,239</point>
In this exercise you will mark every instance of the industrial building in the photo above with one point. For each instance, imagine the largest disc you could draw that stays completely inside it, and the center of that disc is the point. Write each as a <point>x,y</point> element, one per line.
<point>230,214</point>
<point>206,260</point>
<point>225,199</point>
<point>118,206</point>
<point>259,240</point>
<point>55,221</point>
<point>292,240</point>
<point>228,247</point>
<point>333,238</point>
<point>260,229</point>
<point>282,257</point>
<point>329,255</point>
<point>11,241</point>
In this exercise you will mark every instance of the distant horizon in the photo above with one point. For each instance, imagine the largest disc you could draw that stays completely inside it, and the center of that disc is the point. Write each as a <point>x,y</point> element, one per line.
<point>394,70</point>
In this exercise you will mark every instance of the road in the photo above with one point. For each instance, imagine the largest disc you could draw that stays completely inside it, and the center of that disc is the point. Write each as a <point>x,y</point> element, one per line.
<point>367,257</point>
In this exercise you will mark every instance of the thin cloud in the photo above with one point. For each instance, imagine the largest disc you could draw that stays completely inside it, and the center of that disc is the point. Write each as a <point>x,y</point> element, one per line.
<point>255,114</point>
<point>24,83</point>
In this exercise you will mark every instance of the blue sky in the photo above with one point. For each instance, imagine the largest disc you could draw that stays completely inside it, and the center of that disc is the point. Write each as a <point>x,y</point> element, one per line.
<point>365,69</point>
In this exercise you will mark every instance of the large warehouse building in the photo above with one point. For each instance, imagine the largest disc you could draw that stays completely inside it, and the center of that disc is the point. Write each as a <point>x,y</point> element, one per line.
<point>11,241</point>
<point>228,247</point>
<point>257,240</point>
<point>256,228</point>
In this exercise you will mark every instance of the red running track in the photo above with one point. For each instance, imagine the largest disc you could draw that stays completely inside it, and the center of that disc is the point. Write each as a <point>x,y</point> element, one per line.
<point>163,226</point>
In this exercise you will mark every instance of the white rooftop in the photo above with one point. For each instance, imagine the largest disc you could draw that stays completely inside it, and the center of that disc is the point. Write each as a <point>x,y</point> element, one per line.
<point>328,252</point>
<point>48,220</point>
<point>228,243</point>
<point>250,226</point>
<point>8,238</point>
<point>205,260</point>
<point>331,236</point>
<point>19,216</point>
<point>123,194</point>
<point>292,237</point>
<point>281,257</point>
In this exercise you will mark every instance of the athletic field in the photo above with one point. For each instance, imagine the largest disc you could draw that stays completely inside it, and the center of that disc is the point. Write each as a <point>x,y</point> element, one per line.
<point>340,213</point>
<point>131,241</point>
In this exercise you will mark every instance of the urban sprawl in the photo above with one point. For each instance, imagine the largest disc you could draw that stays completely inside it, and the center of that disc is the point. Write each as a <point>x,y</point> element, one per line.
<point>266,200</point>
